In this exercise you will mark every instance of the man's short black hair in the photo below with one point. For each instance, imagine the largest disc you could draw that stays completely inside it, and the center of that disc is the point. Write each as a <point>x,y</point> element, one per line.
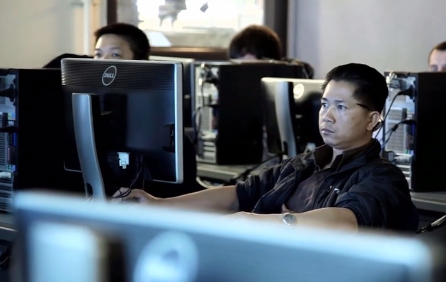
<point>260,41</point>
<point>440,47</point>
<point>371,87</point>
<point>137,39</point>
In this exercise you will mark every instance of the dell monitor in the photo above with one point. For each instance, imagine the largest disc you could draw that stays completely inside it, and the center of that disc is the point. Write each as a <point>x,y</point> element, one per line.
<point>60,237</point>
<point>188,85</point>
<point>291,112</point>
<point>123,119</point>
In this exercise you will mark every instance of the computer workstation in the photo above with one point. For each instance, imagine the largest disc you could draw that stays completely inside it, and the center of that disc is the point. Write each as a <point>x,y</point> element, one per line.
<point>124,123</point>
<point>112,122</point>
<point>127,118</point>
<point>411,139</point>
<point>229,118</point>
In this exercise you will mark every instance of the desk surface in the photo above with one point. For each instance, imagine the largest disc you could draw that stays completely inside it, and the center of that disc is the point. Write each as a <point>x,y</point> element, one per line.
<point>221,173</point>
<point>226,173</point>
<point>6,227</point>
<point>430,201</point>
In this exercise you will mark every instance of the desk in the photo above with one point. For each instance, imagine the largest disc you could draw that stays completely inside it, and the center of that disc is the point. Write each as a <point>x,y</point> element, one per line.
<point>226,173</point>
<point>431,201</point>
<point>6,227</point>
<point>221,173</point>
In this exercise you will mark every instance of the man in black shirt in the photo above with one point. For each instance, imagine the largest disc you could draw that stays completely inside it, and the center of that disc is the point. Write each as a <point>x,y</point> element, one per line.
<point>342,184</point>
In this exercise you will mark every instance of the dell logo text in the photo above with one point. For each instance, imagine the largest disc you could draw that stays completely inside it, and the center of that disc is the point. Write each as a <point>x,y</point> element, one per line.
<point>109,75</point>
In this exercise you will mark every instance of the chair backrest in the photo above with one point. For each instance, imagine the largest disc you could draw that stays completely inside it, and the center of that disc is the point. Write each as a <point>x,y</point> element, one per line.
<point>307,67</point>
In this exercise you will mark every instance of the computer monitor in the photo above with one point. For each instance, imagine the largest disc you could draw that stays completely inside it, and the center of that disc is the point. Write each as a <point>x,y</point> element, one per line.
<point>291,112</point>
<point>188,85</point>
<point>123,118</point>
<point>61,237</point>
<point>230,98</point>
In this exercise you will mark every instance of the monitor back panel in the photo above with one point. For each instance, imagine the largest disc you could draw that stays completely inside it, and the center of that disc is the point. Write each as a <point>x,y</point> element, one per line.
<point>136,90</point>
<point>203,247</point>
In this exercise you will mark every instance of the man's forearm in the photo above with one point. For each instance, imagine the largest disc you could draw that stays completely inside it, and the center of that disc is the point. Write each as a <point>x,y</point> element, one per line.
<point>336,218</point>
<point>221,199</point>
<point>329,217</point>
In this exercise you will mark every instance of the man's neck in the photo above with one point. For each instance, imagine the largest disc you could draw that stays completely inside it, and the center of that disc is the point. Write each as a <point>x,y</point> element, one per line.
<point>333,157</point>
<point>337,152</point>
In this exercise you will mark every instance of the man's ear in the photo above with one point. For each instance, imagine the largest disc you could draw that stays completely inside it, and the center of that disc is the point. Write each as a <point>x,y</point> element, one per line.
<point>375,121</point>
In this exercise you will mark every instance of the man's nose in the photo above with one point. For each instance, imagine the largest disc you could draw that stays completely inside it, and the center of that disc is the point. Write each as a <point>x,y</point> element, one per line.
<point>328,115</point>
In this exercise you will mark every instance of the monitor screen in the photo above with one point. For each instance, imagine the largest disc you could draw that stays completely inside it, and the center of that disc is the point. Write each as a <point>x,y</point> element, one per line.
<point>291,113</point>
<point>63,237</point>
<point>139,123</point>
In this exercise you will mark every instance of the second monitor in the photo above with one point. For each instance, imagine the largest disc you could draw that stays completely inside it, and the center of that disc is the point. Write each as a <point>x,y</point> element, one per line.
<point>291,109</point>
<point>229,109</point>
<point>135,122</point>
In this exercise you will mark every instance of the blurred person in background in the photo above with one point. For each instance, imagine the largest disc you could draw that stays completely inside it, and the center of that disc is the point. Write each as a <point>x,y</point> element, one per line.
<point>437,58</point>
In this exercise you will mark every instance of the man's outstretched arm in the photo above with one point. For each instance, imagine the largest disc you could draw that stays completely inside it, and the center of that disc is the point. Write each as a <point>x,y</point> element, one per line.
<point>221,198</point>
<point>243,196</point>
<point>335,218</point>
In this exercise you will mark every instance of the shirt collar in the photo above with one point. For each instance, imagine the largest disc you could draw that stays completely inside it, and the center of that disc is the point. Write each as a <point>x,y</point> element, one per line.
<point>324,154</point>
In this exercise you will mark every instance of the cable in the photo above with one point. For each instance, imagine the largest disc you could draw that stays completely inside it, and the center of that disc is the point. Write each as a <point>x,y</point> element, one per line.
<point>393,129</point>
<point>408,92</point>
<point>387,140</point>
<point>390,131</point>
<point>387,113</point>
<point>434,225</point>
<point>140,166</point>
<point>207,186</point>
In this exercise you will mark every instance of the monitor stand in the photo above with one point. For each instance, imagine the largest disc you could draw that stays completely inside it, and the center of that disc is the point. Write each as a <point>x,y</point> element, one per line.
<point>86,111</point>
<point>285,123</point>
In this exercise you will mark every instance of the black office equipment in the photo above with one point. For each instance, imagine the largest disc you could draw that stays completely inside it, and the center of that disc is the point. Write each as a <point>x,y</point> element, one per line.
<point>62,237</point>
<point>413,131</point>
<point>127,113</point>
<point>229,109</point>
<point>291,109</point>
<point>188,85</point>
<point>31,132</point>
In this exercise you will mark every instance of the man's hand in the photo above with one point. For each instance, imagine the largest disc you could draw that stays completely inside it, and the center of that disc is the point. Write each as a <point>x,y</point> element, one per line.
<point>133,195</point>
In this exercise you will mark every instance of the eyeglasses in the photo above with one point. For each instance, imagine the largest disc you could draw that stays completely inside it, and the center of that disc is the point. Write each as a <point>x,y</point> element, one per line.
<point>365,107</point>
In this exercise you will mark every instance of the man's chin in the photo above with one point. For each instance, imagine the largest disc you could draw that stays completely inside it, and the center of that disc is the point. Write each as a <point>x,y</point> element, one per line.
<point>329,141</point>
